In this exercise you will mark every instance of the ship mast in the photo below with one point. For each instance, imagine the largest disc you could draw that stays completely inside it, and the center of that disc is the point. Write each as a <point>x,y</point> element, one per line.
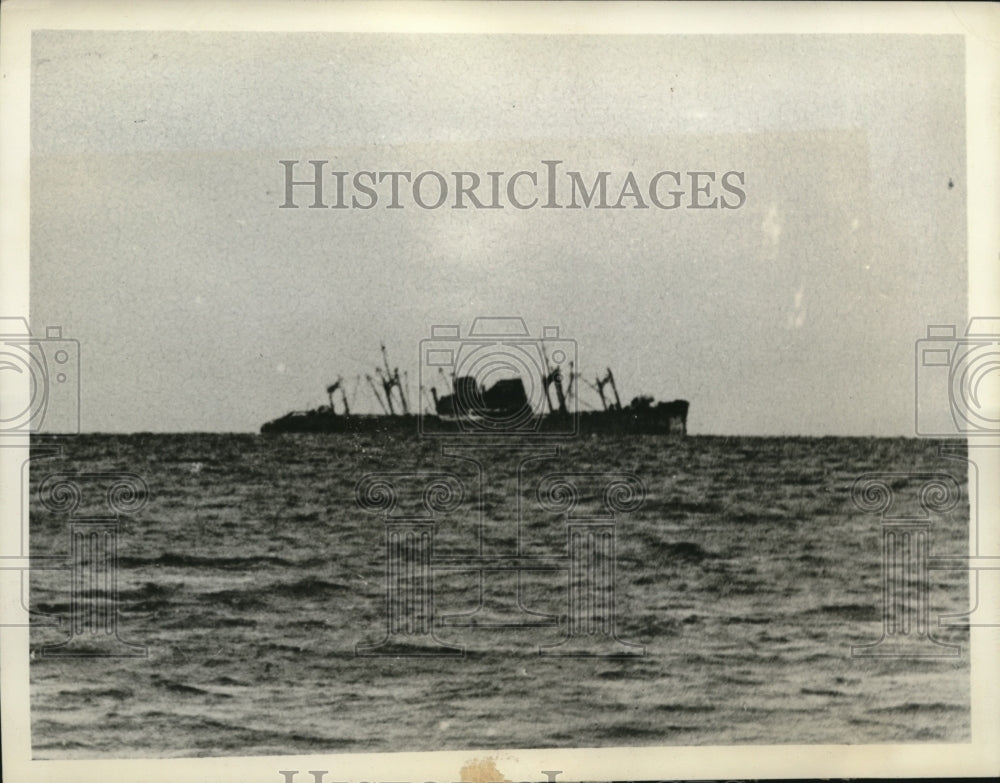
<point>389,380</point>
<point>375,392</point>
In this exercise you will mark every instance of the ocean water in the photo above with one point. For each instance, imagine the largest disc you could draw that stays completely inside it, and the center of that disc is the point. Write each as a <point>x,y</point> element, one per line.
<point>251,576</point>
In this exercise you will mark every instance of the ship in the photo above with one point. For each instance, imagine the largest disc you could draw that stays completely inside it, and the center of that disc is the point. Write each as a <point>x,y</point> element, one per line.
<point>543,403</point>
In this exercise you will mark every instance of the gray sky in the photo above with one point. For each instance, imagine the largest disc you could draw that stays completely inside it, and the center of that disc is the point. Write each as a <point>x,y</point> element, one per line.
<point>199,305</point>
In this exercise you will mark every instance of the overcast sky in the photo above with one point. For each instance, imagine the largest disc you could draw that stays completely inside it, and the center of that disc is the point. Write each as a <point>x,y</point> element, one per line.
<point>157,240</point>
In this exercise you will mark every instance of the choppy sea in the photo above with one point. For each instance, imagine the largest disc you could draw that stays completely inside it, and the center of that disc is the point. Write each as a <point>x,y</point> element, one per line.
<point>251,576</point>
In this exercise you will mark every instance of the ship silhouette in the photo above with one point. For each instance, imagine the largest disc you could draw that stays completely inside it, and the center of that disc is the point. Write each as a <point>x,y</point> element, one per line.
<point>542,400</point>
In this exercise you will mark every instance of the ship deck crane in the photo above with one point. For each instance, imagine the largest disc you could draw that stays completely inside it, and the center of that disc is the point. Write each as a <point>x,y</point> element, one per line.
<point>573,375</point>
<point>601,383</point>
<point>387,389</point>
<point>553,376</point>
<point>428,408</point>
<point>338,384</point>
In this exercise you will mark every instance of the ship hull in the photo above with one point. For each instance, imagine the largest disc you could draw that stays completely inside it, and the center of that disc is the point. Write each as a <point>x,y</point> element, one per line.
<point>615,422</point>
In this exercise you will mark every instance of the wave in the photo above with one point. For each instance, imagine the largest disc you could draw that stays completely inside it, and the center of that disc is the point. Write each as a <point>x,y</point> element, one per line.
<point>88,694</point>
<point>308,587</point>
<point>685,551</point>
<point>184,560</point>
<point>851,612</point>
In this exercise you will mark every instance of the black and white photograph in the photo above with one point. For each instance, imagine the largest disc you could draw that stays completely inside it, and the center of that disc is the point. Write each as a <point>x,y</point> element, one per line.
<point>486,392</point>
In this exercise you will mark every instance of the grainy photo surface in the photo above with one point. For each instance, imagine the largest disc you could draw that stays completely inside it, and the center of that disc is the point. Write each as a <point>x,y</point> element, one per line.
<point>470,392</point>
